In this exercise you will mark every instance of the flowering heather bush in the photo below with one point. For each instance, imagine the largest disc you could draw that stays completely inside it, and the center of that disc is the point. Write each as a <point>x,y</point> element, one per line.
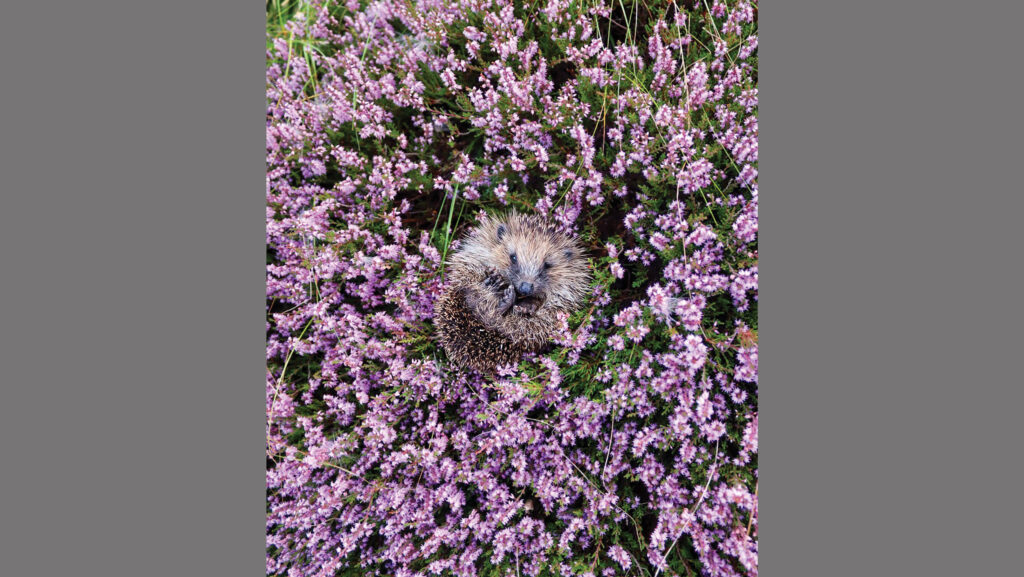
<point>628,449</point>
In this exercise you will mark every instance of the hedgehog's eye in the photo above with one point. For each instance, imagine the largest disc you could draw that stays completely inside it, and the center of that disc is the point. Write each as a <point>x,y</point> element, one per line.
<point>512,257</point>
<point>547,265</point>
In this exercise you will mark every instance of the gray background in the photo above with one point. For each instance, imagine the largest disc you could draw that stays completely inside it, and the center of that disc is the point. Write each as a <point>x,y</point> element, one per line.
<point>133,327</point>
<point>132,242</point>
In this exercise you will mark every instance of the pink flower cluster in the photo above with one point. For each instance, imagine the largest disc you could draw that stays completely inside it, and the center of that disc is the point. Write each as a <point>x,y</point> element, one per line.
<point>628,449</point>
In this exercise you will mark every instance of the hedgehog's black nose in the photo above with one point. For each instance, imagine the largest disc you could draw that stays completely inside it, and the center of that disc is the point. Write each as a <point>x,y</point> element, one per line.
<point>525,289</point>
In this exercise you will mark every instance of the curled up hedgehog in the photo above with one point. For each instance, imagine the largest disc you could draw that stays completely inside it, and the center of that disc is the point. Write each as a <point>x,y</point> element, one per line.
<point>510,276</point>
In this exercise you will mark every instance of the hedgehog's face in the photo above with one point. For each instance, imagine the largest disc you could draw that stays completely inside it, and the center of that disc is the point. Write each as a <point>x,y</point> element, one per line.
<point>533,266</point>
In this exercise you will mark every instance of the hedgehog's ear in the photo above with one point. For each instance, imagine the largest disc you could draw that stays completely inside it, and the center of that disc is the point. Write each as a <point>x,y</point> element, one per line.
<point>501,231</point>
<point>568,254</point>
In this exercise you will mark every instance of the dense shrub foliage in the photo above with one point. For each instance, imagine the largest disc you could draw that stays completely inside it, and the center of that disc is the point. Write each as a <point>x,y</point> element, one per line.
<point>630,448</point>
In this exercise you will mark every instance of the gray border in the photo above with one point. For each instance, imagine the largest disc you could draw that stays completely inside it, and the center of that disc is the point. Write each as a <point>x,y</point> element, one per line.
<point>133,333</point>
<point>133,180</point>
<point>889,288</point>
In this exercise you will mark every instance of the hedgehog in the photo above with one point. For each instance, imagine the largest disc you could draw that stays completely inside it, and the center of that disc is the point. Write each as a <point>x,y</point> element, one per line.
<point>510,277</point>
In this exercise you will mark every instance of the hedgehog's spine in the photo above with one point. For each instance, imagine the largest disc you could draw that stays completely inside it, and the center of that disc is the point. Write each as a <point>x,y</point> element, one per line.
<point>467,340</point>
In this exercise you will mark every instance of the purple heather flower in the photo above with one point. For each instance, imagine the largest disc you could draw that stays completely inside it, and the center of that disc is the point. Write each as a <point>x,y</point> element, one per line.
<point>382,119</point>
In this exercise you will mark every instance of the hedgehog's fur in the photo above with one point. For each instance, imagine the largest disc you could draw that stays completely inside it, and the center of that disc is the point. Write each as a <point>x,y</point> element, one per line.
<point>510,277</point>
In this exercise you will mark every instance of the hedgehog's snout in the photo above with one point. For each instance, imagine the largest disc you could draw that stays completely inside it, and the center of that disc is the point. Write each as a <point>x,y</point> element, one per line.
<point>525,289</point>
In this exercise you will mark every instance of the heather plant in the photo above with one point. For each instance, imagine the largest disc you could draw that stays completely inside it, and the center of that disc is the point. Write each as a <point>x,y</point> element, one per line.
<point>629,448</point>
